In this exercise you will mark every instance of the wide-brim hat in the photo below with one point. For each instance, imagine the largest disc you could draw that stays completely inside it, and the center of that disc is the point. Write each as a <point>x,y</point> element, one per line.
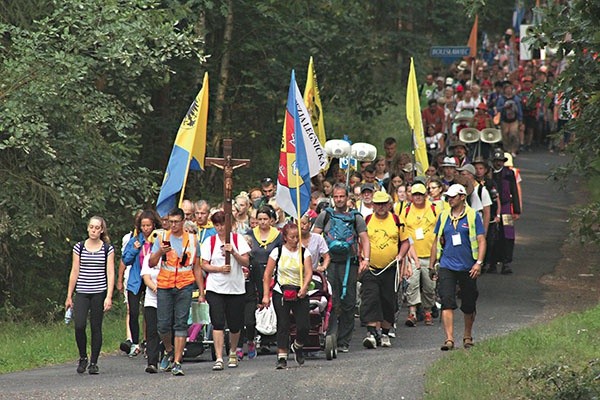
<point>449,162</point>
<point>499,156</point>
<point>458,143</point>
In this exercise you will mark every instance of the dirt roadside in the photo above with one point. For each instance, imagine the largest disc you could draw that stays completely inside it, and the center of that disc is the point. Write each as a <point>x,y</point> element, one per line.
<point>574,285</point>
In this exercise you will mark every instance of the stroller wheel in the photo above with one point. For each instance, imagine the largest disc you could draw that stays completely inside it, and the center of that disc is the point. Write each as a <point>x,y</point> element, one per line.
<point>330,348</point>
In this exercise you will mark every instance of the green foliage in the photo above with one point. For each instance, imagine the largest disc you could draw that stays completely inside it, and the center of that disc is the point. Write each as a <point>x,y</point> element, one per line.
<point>73,87</point>
<point>571,28</point>
<point>558,381</point>
<point>515,366</point>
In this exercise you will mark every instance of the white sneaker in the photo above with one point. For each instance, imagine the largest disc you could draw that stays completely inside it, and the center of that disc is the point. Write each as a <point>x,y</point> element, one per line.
<point>385,341</point>
<point>370,342</point>
<point>135,350</point>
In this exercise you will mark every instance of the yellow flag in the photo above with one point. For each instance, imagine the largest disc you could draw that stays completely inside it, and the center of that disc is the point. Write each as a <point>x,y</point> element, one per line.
<point>413,115</point>
<point>312,100</point>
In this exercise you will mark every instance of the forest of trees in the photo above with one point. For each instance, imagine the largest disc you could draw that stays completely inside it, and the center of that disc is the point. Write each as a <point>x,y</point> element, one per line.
<point>92,93</point>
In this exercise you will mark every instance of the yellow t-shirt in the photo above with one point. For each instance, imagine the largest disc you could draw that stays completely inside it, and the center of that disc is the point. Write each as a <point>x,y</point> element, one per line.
<point>383,236</point>
<point>419,225</point>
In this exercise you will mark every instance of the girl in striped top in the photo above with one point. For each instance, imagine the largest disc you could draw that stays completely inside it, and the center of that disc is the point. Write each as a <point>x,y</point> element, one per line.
<point>92,276</point>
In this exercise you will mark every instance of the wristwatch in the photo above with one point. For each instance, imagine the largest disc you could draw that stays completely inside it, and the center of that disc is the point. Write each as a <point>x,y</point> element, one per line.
<point>478,262</point>
<point>366,259</point>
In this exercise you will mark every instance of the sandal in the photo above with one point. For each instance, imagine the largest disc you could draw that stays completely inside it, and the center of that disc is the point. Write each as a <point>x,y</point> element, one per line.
<point>218,365</point>
<point>468,342</point>
<point>448,345</point>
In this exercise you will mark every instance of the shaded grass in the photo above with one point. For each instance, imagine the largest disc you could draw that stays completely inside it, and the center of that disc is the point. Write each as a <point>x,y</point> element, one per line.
<point>497,368</point>
<point>27,345</point>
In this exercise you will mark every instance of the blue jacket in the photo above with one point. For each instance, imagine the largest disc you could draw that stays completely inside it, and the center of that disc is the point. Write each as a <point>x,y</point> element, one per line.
<point>131,256</point>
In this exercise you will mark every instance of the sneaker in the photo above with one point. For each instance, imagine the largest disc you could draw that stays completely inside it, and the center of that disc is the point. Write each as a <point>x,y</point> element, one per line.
<point>281,363</point>
<point>239,352</point>
<point>428,318</point>
<point>233,360</point>
<point>151,369</point>
<point>125,346</point>
<point>134,350</point>
<point>370,342</point>
<point>506,269</point>
<point>166,363</point>
<point>82,366</point>
<point>93,369</point>
<point>385,341</point>
<point>251,350</point>
<point>343,348</point>
<point>411,320</point>
<point>298,353</point>
<point>177,370</point>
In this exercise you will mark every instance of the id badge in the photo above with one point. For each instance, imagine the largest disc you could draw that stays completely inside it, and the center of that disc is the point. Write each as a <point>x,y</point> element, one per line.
<point>419,235</point>
<point>456,239</point>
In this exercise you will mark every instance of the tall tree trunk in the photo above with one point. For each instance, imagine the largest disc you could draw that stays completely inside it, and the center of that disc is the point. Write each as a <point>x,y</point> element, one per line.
<point>223,80</point>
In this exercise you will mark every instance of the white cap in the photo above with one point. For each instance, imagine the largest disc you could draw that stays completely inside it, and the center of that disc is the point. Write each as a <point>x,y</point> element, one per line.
<point>455,190</point>
<point>449,162</point>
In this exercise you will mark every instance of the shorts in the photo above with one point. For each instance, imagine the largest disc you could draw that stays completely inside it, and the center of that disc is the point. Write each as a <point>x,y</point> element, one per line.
<point>447,281</point>
<point>226,308</point>
<point>173,310</point>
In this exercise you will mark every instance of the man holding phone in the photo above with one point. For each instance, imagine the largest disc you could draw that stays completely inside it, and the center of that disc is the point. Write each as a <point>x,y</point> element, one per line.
<point>177,253</point>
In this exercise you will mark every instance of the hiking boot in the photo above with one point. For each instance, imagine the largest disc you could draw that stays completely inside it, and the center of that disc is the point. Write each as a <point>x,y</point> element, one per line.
<point>281,363</point>
<point>177,370</point>
<point>151,369</point>
<point>428,318</point>
<point>506,269</point>
<point>125,346</point>
<point>411,320</point>
<point>233,360</point>
<point>167,362</point>
<point>370,342</point>
<point>385,341</point>
<point>134,350</point>
<point>298,353</point>
<point>82,366</point>
<point>93,369</point>
<point>239,352</point>
<point>251,350</point>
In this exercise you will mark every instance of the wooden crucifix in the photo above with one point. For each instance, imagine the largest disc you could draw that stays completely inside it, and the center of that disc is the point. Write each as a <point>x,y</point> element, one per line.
<point>227,164</point>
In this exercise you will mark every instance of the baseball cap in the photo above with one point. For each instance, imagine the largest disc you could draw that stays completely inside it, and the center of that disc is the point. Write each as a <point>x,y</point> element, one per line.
<point>418,188</point>
<point>449,81</point>
<point>381,197</point>
<point>469,168</point>
<point>455,190</point>
<point>499,155</point>
<point>367,186</point>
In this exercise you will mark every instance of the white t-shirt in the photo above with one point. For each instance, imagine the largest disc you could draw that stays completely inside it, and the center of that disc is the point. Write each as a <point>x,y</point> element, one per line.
<point>288,270</point>
<point>317,247</point>
<point>233,282</point>
<point>150,300</point>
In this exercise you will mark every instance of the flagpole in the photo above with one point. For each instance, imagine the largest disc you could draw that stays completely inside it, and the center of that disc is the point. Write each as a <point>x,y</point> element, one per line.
<point>187,170</point>
<point>298,219</point>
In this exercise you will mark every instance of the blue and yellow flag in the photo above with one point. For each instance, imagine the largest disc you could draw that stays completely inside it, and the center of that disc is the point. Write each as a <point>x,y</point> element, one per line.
<point>413,115</point>
<point>312,100</point>
<point>301,156</point>
<point>188,151</point>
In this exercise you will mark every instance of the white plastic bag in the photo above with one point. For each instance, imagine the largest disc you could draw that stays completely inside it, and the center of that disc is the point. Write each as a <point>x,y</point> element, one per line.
<point>266,320</point>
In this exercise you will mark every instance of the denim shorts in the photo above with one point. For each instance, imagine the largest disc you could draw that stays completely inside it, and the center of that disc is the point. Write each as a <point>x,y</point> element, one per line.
<point>173,310</point>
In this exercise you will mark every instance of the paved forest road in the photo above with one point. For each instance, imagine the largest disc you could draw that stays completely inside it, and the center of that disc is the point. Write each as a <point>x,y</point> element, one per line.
<point>506,304</point>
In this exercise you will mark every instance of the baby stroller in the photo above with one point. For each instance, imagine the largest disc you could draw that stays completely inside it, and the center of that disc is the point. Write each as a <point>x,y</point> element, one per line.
<point>321,304</point>
<point>200,331</point>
